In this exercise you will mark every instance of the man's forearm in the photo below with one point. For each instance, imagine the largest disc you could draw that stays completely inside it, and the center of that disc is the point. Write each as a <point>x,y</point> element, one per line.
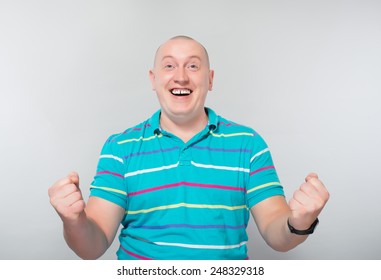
<point>279,237</point>
<point>85,238</point>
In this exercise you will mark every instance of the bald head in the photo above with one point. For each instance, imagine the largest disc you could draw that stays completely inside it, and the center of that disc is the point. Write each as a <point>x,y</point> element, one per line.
<point>182,38</point>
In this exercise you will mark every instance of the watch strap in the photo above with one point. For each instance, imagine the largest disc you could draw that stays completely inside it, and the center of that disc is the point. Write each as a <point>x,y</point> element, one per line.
<point>303,232</point>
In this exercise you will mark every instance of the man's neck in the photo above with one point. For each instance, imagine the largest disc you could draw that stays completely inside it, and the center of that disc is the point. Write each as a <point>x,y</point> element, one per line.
<point>185,129</point>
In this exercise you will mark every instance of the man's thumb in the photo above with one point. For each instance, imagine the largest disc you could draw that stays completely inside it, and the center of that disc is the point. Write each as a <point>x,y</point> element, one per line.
<point>311,176</point>
<point>74,178</point>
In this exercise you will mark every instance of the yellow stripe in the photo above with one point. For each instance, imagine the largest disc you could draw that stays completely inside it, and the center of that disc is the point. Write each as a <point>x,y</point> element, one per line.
<point>232,134</point>
<point>263,186</point>
<point>109,189</point>
<point>139,139</point>
<point>186,205</point>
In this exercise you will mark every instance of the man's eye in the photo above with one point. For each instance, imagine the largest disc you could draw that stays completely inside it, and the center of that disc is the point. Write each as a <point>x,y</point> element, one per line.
<point>193,66</point>
<point>168,66</point>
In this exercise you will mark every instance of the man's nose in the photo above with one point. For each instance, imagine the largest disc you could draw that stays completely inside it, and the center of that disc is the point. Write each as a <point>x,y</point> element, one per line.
<point>181,76</point>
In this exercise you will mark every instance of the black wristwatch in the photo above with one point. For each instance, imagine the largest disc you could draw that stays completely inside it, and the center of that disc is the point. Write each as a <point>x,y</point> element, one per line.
<point>303,232</point>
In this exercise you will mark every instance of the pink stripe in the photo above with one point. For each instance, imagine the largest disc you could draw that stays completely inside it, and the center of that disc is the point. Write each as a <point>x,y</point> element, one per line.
<point>213,186</point>
<point>261,169</point>
<point>188,185</point>
<point>109,172</point>
<point>155,189</point>
<point>228,124</point>
<point>135,255</point>
<point>132,129</point>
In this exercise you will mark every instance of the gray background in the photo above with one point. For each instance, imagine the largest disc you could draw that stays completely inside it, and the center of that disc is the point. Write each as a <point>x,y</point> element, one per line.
<point>304,74</point>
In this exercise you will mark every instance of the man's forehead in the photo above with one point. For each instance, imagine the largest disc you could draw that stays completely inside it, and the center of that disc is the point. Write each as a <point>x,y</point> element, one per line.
<point>166,49</point>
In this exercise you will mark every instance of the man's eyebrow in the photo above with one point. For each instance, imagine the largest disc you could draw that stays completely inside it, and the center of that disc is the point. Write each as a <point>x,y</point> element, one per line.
<point>190,57</point>
<point>195,56</point>
<point>167,56</point>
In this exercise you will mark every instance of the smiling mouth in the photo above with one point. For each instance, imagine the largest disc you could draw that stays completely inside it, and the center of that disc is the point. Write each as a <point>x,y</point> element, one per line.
<point>181,91</point>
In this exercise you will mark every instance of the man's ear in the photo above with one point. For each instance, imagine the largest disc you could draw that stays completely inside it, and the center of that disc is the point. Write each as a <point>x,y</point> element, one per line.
<point>152,78</point>
<point>211,77</point>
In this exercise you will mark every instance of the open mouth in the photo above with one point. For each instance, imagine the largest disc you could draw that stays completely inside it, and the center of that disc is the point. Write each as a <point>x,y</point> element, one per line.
<point>181,91</point>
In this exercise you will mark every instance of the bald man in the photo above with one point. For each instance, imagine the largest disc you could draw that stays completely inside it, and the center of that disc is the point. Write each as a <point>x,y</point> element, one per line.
<point>184,182</point>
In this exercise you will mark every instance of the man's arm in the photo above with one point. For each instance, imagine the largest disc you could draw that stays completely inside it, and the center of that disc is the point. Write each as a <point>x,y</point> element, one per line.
<point>89,229</point>
<point>271,214</point>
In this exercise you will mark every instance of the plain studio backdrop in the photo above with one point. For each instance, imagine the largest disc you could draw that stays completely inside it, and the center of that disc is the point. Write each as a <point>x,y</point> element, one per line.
<point>305,74</point>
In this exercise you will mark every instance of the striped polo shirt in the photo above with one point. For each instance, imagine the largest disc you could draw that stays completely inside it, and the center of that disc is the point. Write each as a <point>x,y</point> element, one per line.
<point>185,200</point>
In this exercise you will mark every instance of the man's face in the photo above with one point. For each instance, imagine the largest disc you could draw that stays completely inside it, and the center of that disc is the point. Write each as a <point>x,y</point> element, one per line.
<point>181,78</point>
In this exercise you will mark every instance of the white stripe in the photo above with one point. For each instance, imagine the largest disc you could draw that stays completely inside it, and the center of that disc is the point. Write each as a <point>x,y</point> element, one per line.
<point>150,170</point>
<point>220,167</point>
<point>113,157</point>
<point>195,246</point>
<point>259,153</point>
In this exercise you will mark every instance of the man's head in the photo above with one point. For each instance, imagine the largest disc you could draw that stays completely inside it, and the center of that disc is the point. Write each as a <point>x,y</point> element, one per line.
<point>181,77</point>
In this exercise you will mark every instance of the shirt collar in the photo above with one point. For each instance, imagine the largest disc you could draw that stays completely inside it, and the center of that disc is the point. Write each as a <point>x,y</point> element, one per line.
<point>213,119</point>
<point>154,121</point>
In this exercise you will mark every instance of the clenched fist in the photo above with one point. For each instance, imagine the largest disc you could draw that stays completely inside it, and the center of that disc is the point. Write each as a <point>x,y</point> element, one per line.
<point>66,198</point>
<point>307,202</point>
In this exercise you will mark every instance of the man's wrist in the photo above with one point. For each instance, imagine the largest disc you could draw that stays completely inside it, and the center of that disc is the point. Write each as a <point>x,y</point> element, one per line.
<point>310,230</point>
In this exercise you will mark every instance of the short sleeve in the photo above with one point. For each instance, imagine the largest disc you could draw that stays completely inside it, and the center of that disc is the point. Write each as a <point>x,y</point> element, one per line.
<point>263,180</point>
<point>109,180</point>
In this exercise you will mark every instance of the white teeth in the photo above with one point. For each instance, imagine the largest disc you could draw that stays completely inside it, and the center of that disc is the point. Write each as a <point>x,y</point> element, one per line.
<point>181,91</point>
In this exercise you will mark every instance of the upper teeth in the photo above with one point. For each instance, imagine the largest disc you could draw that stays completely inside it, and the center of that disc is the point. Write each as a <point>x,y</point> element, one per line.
<point>181,91</point>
